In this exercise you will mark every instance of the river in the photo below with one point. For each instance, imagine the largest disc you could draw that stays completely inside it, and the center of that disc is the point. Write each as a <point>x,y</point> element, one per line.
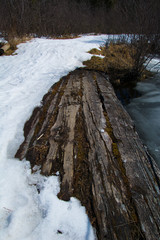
<point>144,108</point>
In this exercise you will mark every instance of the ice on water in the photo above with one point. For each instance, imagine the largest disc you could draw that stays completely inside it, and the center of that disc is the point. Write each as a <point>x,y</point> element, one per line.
<point>145,110</point>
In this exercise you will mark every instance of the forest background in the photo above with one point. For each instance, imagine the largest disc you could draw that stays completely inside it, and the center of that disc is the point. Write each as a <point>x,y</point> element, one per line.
<point>62,17</point>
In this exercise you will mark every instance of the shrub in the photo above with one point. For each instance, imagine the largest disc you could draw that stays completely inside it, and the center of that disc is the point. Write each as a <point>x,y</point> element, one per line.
<point>126,58</point>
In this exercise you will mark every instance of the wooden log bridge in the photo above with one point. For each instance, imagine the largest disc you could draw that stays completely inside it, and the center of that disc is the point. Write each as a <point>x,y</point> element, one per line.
<point>82,131</point>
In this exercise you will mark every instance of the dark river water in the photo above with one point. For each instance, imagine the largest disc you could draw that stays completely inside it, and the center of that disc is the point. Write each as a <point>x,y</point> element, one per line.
<point>144,108</point>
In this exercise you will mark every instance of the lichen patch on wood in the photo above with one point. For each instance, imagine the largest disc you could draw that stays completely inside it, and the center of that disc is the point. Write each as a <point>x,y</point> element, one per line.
<point>83,132</point>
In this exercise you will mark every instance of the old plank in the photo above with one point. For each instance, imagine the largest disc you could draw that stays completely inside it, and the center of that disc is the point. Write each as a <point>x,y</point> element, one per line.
<point>83,132</point>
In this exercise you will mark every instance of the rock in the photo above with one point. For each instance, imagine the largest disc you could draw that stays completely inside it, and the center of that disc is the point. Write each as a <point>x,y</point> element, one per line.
<point>83,132</point>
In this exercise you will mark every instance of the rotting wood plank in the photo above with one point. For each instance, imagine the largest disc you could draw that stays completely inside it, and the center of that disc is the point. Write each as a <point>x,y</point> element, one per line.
<point>83,132</point>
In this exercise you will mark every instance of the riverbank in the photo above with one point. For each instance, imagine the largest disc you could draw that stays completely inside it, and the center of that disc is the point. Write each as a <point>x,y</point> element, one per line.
<point>145,111</point>
<point>140,95</point>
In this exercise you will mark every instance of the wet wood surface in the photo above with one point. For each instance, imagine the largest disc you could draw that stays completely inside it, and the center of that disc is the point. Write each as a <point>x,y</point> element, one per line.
<point>83,132</point>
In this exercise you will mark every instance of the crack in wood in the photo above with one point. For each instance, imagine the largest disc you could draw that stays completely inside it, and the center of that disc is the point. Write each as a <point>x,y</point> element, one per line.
<point>83,132</point>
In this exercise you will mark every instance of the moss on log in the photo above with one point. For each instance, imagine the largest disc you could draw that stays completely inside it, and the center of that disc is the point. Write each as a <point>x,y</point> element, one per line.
<point>83,132</point>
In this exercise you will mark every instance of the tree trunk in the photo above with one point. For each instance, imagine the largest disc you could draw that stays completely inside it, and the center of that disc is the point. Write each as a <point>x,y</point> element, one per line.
<point>83,132</point>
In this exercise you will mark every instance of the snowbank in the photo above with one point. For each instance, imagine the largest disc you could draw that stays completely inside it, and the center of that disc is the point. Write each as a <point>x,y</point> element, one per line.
<point>26,214</point>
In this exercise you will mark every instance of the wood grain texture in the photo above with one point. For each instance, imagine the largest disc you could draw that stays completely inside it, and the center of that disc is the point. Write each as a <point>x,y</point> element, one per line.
<point>83,132</point>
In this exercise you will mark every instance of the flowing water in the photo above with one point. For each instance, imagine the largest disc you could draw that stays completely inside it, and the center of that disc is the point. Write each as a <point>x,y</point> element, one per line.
<point>144,108</point>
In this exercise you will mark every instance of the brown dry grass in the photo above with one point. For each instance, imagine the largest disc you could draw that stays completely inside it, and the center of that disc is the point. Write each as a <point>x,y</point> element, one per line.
<point>66,36</point>
<point>96,63</point>
<point>14,42</point>
<point>96,51</point>
<point>120,56</point>
<point>117,56</point>
<point>118,62</point>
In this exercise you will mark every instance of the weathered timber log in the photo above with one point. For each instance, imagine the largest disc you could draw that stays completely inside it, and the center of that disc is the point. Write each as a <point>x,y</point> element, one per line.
<point>4,48</point>
<point>83,132</point>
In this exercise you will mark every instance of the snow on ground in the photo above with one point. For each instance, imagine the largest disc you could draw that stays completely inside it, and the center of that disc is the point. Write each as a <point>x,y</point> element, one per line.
<point>26,214</point>
<point>2,39</point>
<point>154,65</point>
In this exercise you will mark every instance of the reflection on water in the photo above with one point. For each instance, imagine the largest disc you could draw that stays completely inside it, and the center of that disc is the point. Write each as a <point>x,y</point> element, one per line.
<point>145,111</point>
<point>125,94</point>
